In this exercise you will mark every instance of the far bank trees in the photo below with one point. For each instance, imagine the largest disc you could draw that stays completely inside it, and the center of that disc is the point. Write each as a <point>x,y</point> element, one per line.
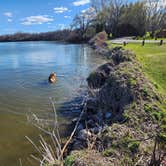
<point>121,18</point>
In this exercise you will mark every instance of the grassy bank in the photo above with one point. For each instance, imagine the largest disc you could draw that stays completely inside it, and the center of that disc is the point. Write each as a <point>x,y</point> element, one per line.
<point>153,60</point>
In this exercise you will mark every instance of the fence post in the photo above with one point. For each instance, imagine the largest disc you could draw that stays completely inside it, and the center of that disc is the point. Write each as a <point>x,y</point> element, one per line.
<point>161,42</point>
<point>143,42</point>
<point>124,43</point>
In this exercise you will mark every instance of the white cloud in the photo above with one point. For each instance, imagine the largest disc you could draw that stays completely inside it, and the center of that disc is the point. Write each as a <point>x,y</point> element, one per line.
<point>40,19</point>
<point>81,2</point>
<point>9,20</point>
<point>60,9</point>
<point>67,16</point>
<point>8,14</point>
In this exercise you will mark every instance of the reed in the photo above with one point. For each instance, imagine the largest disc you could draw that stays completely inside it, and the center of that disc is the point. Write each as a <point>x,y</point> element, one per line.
<point>52,154</point>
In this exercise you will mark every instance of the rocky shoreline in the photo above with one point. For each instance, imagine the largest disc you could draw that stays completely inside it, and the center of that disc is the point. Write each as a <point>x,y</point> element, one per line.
<point>122,113</point>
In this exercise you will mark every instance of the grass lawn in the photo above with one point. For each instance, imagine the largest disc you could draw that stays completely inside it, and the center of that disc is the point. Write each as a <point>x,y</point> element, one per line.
<point>153,59</point>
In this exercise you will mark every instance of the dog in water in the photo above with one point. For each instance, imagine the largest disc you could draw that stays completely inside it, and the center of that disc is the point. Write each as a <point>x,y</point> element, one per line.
<point>52,78</point>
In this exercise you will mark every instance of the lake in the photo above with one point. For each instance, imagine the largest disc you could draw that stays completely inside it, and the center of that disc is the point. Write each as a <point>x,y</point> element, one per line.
<point>24,89</point>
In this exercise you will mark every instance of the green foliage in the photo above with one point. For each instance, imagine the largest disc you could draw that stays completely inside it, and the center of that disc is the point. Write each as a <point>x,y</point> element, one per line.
<point>126,161</point>
<point>128,143</point>
<point>155,85</point>
<point>163,128</point>
<point>164,121</point>
<point>162,137</point>
<point>132,81</point>
<point>126,116</point>
<point>146,91</point>
<point>69,160</point>
<point>148,108</point>
<point>110,35</point>
<point>156,115</point>
<point>108,152</point>
<point>147,35</point>
<point>133,146</point>
<point>125,141</point>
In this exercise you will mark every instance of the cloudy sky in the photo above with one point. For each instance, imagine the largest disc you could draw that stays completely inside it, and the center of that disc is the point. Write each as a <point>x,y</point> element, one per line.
<point>38,15</point>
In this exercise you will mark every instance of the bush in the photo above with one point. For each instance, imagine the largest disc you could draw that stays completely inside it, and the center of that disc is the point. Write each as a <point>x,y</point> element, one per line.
<point>133,146</point>
<point>69,161</point>
<point>156,115</point>
<point>162,138</point>
<point>147,35</point>
<point>108,152</point>
<point>102,36</point>
<point>148,108</point>
<point>110,35</point>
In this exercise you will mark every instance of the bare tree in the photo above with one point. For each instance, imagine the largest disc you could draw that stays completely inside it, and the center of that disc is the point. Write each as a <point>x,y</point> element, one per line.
<point>100,5</point>
<point>156,15</point>
<point>83,20</point>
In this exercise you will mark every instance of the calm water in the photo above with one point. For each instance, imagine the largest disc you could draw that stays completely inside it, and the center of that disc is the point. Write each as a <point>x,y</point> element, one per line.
<point>24,69</point>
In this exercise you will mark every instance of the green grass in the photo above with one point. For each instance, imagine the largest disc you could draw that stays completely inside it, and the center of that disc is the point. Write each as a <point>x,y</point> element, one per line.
<point>153,60</point>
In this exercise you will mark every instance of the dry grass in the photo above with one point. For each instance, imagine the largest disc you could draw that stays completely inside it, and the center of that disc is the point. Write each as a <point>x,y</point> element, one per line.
<point>52,153</point>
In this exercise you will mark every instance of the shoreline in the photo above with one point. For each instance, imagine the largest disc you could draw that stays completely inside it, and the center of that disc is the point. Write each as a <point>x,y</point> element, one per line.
<point>120,99</point>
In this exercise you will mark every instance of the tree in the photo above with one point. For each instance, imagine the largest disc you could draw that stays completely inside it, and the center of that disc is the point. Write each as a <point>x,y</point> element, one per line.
<point>156,15</point>
<point>133,19</point>
<point>109,12</point>
<point>83,21</point>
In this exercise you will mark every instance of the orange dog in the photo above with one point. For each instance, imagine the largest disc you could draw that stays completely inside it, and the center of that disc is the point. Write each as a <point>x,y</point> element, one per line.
<point>52,78</point>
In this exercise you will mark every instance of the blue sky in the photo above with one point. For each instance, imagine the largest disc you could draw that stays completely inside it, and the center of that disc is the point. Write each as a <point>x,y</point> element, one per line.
<point>38,15</point>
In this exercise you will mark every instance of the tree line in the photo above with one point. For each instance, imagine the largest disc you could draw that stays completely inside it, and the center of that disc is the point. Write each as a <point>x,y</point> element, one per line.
<point>116,17</point>
<point>121,18</point>
<point>65,35</point>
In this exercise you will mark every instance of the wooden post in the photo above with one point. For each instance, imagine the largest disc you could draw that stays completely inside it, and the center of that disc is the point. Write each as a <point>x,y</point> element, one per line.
<point>161,42</point>
<point>143,42</point>
<point>124,43</point>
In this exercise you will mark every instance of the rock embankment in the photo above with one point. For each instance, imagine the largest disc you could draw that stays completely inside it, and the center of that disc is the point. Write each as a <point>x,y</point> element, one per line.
<point>122,115</point>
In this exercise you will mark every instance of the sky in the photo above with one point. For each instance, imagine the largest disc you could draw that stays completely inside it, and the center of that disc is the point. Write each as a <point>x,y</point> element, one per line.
<point>38,15</point>
<point>41,15</point>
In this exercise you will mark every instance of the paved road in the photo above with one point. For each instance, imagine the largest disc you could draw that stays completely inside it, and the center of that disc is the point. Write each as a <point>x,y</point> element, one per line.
<point>130,40</point>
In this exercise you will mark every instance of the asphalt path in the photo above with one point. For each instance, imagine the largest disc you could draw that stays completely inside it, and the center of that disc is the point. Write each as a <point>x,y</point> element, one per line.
<point>130,40</point>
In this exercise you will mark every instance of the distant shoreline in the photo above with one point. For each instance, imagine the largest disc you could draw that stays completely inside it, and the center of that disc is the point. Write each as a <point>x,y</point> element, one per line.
<point>68,36</point>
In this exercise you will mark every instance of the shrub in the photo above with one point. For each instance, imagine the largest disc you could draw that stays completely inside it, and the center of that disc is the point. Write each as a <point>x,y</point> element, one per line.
<point>132,81</point>
<point>162,137</point>
<point>164,120</point>
<point>156,115</point>
<point>102,36</point>
<point>133,146</point>
<point>69,161</point>
<point>110,35</point>
<point>147,35</point>
<point>148,108</point>
<point>108,152</point>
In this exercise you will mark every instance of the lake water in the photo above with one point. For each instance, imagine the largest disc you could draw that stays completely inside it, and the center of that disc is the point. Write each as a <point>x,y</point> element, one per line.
<point>24,89</point>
